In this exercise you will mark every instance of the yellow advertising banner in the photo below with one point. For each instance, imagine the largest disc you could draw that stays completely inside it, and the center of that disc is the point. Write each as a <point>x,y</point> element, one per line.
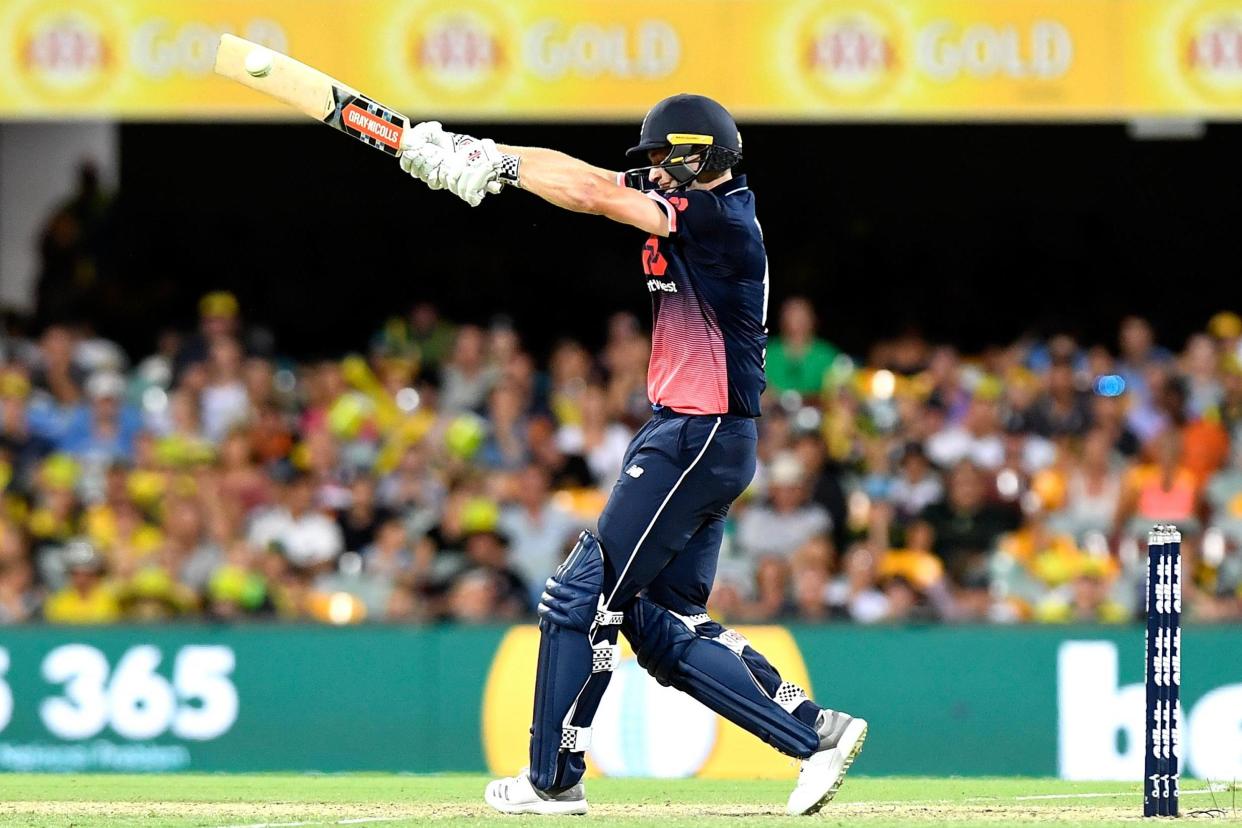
<point>591,59</point>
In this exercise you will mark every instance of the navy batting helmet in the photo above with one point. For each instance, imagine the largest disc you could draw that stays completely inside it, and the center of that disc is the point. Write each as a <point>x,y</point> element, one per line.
<point>687,125</point>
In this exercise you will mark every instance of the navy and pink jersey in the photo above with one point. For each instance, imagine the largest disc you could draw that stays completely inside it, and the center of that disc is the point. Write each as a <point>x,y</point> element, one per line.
<point>708,282</point>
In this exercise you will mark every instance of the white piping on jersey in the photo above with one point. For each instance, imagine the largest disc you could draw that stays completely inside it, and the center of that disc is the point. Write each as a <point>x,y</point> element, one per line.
<point>669,211</point>
<point>766,284</point>
<point>738,190</point>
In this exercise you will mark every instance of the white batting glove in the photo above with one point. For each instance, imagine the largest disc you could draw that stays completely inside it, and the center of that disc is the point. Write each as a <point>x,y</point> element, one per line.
<point>426,163</point>
<point>470,182</point>
<point>474,170</point>
<point>423,149</point>
<point>428,132</point>
<point>440,170</point>
<point>469,167</point>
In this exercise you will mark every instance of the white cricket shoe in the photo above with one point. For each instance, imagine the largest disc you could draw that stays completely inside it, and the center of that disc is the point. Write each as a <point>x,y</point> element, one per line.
<point>840,740</point>
<point>516,795</point>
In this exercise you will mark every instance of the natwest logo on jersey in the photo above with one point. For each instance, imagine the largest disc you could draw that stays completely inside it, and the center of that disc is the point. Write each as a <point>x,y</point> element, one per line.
<point>65,52</point>
<point>1209,47</point>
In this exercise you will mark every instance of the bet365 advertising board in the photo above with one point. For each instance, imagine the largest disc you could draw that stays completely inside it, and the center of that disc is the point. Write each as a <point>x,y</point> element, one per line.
<point>592,59</point>
<point>941,700</point>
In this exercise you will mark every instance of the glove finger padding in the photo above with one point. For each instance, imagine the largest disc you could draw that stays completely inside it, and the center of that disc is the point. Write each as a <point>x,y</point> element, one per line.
<point>433,170</point>
<point>472,186</point>
<point>466,166</point>
<point>426,132</point>
<point>427,163</point>
<point>468,181</point>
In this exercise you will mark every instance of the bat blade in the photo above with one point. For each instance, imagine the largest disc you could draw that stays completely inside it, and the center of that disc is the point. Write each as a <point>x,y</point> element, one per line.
<point>315,94</point>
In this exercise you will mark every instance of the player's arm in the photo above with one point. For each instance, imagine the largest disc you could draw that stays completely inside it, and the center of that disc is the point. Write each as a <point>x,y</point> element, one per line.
<point>539,155</point>
<point>575,185</point>
<point>470,168</point>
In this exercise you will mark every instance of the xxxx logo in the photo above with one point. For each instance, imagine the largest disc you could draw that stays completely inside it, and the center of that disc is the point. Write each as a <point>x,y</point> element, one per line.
<point>67,51</point>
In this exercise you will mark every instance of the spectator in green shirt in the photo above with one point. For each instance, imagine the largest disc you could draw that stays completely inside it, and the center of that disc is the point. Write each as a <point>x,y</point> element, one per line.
<point>797,359</point>
<point>422,335</point>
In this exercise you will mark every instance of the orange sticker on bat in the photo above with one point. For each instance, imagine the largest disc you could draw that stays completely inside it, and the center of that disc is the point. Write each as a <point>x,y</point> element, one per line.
<point>355,117</point>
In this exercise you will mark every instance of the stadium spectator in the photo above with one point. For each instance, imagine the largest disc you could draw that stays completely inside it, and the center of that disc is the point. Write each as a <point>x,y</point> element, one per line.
<point>1062,409</point>
<point>71,248</point>
<point>87,598</point>
<point>306,538</point>
<point>393,557</point>
<point>798,360</point>
<point>976,438</point>
<point>105,429</point>
<point>965,527</point>
<point>467,377</point>
<point>855,594</point>
<point>188,553</point>
<point>19,442</point>
<point>1223,496</point>
<point>422,337</point>
<point>362,518</point>
<point>788,520</point>
<point>1164,490</point>
<point>18,597</point>
<point>225,403</point>
<point>237,590</point>
<point>600,442</point>
<point>1013,485</point>
<point>1139,353</point>
<point>917,486</point>
<point>824,482</point>
<point>1085,598</point>
<point>539,531</point>
<point>1087,498</point>
<point>218,318</point>
<point>505,446</point>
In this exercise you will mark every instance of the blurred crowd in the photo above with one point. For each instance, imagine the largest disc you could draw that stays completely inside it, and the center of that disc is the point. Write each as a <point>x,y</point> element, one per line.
<point>445,472</point>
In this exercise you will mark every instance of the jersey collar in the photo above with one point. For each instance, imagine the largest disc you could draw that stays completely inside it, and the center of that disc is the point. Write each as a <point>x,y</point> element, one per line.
<point>732,185</point>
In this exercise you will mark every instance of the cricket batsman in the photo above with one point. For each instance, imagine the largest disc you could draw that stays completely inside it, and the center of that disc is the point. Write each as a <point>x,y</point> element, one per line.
<point>647,571</point>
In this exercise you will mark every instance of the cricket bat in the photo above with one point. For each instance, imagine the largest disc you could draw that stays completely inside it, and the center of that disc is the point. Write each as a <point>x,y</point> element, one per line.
<point>313,93</point>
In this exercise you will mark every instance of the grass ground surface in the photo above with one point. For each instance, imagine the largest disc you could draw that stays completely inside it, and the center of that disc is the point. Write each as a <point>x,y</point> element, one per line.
<point>278,801</point>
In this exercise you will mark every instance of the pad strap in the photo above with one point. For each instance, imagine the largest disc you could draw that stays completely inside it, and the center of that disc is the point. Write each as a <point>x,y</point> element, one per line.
<point>604,618</point>
<point>605,657</point>
<point>789,696</point>
<point>734,640</point>
<point>575,739</point>
<point>692,621</point>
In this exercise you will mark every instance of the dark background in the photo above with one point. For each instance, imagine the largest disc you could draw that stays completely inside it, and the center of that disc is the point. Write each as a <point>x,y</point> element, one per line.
<point>971,233</point>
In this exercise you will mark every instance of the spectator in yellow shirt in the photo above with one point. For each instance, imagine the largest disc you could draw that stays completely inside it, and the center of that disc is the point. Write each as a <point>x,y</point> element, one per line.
<point>88,598</point>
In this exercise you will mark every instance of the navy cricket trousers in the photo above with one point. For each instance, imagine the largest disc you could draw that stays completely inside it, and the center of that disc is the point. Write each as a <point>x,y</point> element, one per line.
<point>664,521</point>
<point>660,535</point>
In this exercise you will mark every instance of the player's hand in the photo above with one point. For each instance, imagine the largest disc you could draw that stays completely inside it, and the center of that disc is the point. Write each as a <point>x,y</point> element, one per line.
<point>473,170</point>
<point>426,163</point>
<point>429,132</point>
<point>423,150</point>
<point>469,180</point>
<point>465,165</point>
